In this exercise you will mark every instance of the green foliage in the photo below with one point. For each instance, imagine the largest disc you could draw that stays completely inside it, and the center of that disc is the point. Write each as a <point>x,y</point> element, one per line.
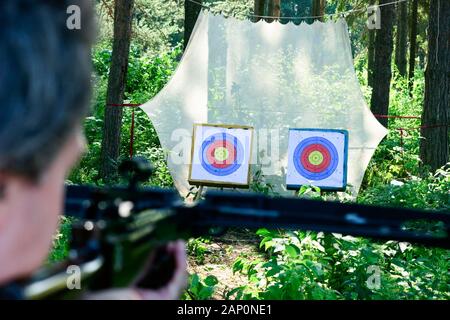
<point>311,192</point>
<point>60,241</point>
<point>308,265</point>
<point>200,289</point>
<point>293,269</point>
<point>297,264</point>
<point>157,24</point>
<point>147,75</point>
<point>259,184</point>
<point>397,155</point>
<point>197,248</point>
<point>234,8</point>
<point>428,192</point>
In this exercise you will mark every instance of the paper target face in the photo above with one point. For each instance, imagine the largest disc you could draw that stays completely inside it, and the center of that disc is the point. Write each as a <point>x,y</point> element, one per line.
<point>317,157</point>
<point>221,155</point>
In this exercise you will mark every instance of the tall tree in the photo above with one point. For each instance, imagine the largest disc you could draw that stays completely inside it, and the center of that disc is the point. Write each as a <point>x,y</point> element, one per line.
<point>434,147</point>
<point>258,9</point>
<point>370,52</point>
<point>274,9</point>
<point>318,9</point>
<point>402,37</point>
<point>191,12</point>
<point>123,12</point>
<point>412,44</point>
<point>271,8</point>
<point>382,73</point>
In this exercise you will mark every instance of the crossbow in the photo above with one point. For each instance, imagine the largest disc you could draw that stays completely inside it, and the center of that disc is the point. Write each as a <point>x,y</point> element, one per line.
<point>116,229</point>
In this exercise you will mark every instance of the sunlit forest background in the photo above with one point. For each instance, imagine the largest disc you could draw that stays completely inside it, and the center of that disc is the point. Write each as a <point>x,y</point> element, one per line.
<point>278,264</point>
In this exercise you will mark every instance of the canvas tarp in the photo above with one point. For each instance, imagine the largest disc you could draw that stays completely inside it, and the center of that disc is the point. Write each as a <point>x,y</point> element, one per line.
<point>273,77</point>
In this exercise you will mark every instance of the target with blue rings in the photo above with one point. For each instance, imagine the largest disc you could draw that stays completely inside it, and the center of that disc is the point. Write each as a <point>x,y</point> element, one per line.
<point>316,158</point>
<point>221,154</point>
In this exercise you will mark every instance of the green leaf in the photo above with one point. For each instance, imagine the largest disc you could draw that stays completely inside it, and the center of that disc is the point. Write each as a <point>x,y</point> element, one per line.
<point>273,271</point>
<point>194,280</point>
<point>211,281</point>
<point>263,241</point>
<point>292,250</point>
<point>268,244</point>
<point>238,265</point>
<point>263,232</point>
<point>238,291</point>
<point>206,293</point>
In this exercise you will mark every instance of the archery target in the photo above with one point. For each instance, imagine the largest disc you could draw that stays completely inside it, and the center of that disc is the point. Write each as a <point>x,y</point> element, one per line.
<point>317,157</point>
<point>220,155</point>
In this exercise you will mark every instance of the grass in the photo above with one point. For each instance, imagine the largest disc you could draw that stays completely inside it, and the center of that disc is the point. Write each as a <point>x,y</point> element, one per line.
<point>276,264</point>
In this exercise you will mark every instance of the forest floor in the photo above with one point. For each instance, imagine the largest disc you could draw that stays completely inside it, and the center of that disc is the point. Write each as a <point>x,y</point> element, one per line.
<point>219,257</point>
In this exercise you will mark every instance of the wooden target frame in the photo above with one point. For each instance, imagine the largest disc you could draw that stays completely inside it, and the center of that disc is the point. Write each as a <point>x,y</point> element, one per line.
<point>223,157</point>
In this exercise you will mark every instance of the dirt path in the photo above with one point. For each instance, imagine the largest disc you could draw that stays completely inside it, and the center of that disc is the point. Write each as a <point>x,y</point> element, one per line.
<point>219,257</point>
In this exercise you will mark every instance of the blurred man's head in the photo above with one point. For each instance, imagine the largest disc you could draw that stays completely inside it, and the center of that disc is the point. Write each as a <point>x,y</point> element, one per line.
<point>45,86</point>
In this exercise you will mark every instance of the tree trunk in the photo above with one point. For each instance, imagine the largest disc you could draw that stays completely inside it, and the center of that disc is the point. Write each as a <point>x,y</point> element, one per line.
<point>370,53</point>
<point>258,9</point>
<point>318,9</point>
<point>276,12</point>
<point>402,38</point>
<point>191,12</point>
<point>274,9</point>
<point>434,147</point>
<point>412,44</point>
<point>123,12</point>
<point>383,54</point>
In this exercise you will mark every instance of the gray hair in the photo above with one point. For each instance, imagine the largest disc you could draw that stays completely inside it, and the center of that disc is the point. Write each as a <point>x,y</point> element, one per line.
<point>45,81</point>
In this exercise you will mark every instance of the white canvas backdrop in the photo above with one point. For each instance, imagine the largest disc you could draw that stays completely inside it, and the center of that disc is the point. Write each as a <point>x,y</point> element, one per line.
<point>272,77</point>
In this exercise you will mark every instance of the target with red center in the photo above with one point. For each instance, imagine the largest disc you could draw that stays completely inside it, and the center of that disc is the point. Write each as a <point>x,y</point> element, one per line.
<point>221,154</point>
<point>317,157</point>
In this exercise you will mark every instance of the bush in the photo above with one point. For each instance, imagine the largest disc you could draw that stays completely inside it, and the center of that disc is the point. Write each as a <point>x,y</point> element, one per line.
<point>309,265</point>
<point>298,264</point>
